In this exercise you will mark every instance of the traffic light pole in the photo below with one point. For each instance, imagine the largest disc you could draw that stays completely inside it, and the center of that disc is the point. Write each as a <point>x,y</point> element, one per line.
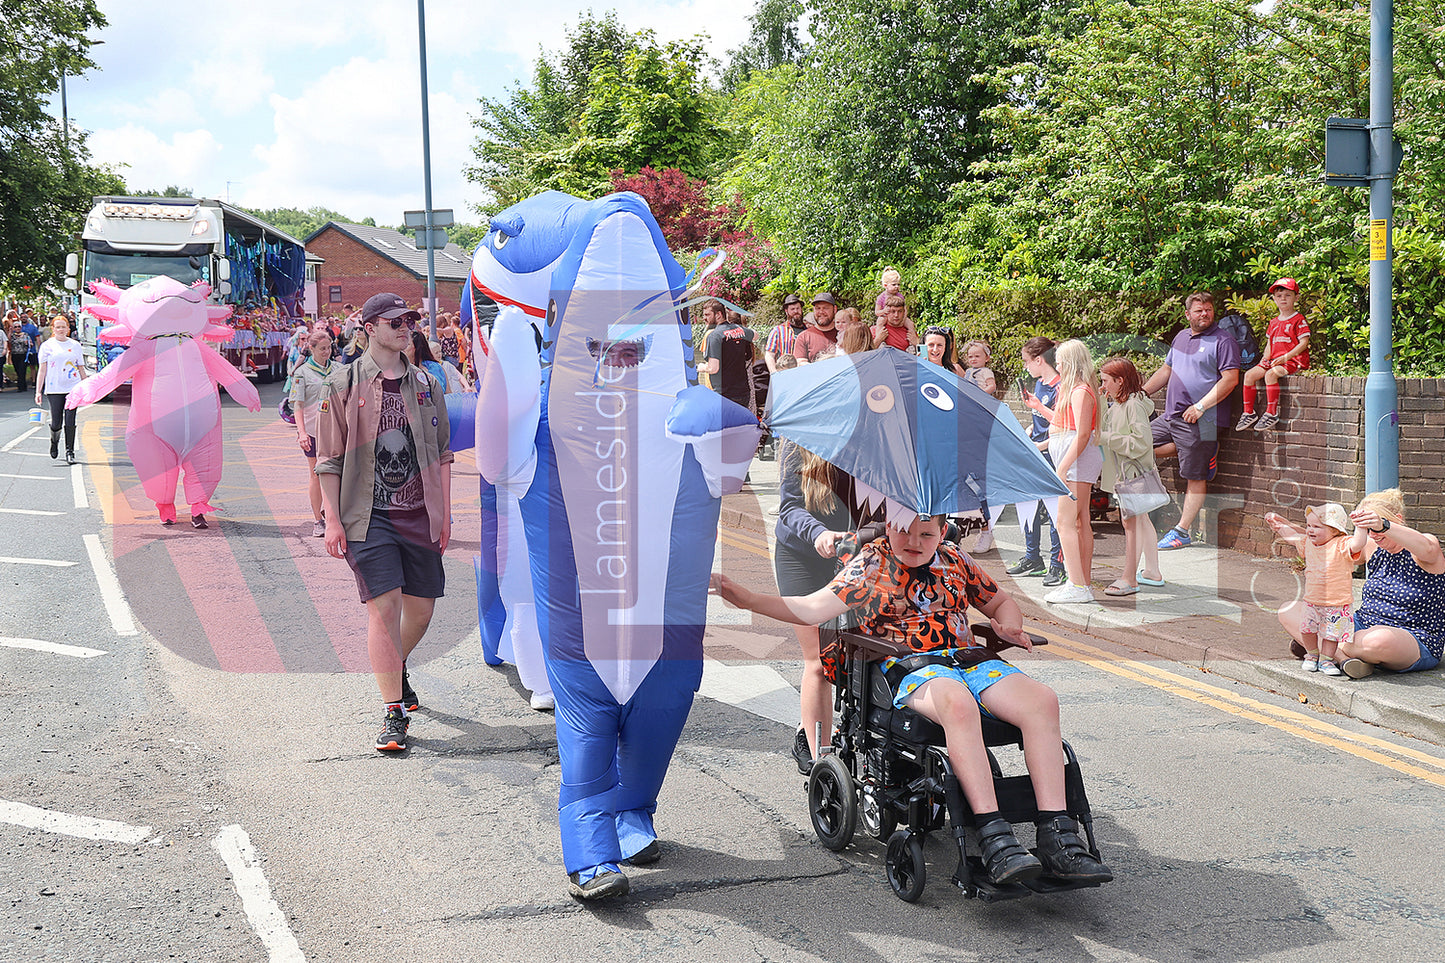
<point>1382,435</point>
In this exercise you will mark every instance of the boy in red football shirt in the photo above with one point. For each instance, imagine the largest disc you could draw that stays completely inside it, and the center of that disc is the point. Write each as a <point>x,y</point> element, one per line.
<point>1287,350</point>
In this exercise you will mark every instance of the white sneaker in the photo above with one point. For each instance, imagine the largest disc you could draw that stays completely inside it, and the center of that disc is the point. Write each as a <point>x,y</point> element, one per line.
<point>984,543</point>
<point>543,701</point>
<point>1069,594</point>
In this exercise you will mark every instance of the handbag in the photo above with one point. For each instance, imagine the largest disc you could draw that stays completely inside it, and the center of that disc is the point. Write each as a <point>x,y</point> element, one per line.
<point>1141,494</point>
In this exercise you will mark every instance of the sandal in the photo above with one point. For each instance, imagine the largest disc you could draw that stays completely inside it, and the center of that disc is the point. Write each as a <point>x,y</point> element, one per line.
<point>1153,582</point>
<point>1119,588</point>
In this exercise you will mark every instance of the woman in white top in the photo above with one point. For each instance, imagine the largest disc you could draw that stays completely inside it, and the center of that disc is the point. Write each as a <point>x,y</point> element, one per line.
<point>307,382</point>
<point>62,367</point>
<point>1129,452</point>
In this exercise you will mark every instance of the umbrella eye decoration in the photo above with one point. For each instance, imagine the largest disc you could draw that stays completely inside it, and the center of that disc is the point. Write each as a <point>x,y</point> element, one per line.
<point>916,439</point>
<point>880,399</point>
<point>937,397</point>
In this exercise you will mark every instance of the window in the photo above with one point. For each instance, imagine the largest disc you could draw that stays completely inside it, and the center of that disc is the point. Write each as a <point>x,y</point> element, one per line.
<point>335,296</point>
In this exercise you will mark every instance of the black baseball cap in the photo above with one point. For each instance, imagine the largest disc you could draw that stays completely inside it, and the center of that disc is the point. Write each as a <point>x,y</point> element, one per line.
<point>386,306</point>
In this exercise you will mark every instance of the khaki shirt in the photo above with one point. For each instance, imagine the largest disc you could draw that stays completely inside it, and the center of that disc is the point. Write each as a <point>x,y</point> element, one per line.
<point>346,432</point>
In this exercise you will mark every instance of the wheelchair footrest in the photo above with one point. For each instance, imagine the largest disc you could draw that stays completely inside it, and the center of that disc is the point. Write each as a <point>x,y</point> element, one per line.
<point>980,887</point>
<point>1052,884</point>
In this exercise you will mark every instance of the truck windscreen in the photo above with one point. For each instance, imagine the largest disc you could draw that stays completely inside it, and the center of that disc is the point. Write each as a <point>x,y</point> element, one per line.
<point>126,269</point>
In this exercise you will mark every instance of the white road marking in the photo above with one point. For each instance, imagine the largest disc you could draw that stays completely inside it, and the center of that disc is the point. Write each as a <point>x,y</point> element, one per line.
<point>77,486</point>
<point>15,441</point>
<point>110,593</point>
<point>57,563</point>
<point>26,511</point>
<point>56,648</point>
<point>6,474</point>
<point>266,917</point>
<point>758,689</point>
<point>69,824</point>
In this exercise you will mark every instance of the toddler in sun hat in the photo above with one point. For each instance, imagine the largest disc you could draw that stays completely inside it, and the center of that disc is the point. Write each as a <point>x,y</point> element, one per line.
<point>1328,594</point>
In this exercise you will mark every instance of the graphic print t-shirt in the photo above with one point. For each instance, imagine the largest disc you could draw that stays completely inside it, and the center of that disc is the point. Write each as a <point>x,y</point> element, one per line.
<point>397,487</point>
<point>64,365</point>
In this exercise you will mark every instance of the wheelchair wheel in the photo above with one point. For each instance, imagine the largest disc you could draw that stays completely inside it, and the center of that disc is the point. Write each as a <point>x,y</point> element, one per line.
<point>906,872</point>
<point>832,802</point>
<point>876,818</point>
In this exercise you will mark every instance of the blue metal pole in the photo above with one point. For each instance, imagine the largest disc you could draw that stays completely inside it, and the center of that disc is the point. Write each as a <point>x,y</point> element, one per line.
<point>1382,436</point>
<point>431,271</point>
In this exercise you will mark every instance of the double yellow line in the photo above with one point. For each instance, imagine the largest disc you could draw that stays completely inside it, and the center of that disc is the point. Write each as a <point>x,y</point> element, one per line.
<point>1402,759</point>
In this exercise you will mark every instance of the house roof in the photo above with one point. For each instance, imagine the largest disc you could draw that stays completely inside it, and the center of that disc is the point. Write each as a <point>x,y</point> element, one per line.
<point>451,263</point>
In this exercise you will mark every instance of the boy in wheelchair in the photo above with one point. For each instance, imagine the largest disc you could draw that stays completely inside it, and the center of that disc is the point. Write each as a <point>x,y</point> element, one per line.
<point>914,588</point>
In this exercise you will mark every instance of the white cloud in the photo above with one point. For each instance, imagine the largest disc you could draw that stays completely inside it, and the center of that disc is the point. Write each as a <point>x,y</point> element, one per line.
<point>186,159</point>
<point>352,142</point>
<point>317,102</point>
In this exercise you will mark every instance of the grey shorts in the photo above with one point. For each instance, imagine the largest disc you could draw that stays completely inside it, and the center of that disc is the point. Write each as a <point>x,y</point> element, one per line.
<point>397,553</point>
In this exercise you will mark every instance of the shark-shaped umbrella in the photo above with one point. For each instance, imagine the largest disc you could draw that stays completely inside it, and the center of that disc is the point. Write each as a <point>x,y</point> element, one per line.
<point>915,438</point>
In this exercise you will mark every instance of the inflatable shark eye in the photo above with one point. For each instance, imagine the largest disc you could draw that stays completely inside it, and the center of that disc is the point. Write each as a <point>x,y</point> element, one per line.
<point>499,240</point>
<point>937,397</point>
<point>879,399</point>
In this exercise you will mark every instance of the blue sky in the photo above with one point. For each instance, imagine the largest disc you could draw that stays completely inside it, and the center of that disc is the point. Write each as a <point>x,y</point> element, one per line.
<point>300,103</point>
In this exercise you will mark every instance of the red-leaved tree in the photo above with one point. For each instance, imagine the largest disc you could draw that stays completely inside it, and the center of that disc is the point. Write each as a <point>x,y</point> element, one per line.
<point>690,221</point>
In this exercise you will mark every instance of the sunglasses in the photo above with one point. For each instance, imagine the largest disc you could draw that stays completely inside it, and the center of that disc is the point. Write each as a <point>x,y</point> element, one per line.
<point>398,323</point>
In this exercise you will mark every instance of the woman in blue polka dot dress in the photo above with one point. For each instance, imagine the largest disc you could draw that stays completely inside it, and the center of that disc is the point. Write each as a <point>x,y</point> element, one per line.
<point>1400,623</point>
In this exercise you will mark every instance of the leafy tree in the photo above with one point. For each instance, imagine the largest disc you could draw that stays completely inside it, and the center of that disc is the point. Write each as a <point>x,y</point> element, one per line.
<point>850,155</point>
<point>170,191</point>
<point>298,223</point>
<point>775,39</point>
<point>46,182</point>
<point>609,100</point>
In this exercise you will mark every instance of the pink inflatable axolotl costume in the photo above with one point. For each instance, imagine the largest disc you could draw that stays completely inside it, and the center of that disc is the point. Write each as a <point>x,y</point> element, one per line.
<point>175,414</point>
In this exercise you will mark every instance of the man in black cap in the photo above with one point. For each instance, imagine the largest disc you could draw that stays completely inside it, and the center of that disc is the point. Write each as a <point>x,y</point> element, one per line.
<point>384,459</point>
<point>821,340</point>
<point>780,339</point>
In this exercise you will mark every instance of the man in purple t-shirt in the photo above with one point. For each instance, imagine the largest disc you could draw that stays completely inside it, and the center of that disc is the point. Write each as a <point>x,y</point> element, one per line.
<point>1201,370</point>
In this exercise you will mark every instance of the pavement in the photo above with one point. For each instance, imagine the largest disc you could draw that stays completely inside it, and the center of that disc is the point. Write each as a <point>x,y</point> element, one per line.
<point>1216,612</point>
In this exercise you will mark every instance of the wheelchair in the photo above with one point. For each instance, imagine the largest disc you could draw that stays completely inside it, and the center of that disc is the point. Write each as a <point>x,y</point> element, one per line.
<point>887,771</point>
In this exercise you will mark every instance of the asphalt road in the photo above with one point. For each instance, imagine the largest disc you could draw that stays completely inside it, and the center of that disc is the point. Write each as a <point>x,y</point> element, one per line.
<point>225,745</point>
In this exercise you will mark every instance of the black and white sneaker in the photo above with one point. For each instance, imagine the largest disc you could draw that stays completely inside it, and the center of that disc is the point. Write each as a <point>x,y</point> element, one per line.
<point>408,694</point>
<point>199,521</point>
<point>392,737</point>
<point>802,755</point>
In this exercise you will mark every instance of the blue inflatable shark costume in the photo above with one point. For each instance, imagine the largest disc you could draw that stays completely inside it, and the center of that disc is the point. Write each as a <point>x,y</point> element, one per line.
<point>618,461</point>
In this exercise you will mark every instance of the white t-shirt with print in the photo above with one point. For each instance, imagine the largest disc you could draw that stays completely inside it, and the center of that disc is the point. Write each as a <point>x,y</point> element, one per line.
<point>64,365</point>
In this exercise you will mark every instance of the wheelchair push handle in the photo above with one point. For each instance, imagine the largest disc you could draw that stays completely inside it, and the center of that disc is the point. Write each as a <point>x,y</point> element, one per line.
<point>991,640</point>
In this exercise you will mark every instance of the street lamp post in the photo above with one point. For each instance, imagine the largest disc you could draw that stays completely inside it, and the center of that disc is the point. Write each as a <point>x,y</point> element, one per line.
<point>431,272</point>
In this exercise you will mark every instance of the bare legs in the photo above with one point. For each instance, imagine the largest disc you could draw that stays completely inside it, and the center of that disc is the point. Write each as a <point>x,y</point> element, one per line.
<point>1076,533</point>
<point>815,698</point>
<point>395,624</point>
<point>1018,700</point>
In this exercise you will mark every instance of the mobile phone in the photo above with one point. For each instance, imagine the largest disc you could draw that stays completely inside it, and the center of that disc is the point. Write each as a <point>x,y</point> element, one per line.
<point>1023,386</point>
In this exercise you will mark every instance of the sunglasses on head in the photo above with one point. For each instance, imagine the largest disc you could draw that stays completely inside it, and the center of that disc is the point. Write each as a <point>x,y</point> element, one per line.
<point>939,331</point>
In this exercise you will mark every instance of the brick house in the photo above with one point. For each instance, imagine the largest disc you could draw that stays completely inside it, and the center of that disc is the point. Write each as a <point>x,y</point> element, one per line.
<point>360,260</point>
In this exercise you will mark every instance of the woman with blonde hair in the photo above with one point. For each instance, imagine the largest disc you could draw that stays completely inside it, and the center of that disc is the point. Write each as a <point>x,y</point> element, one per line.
<point>1074,450</point>
<point>307,385</point>
<point>814,512</point>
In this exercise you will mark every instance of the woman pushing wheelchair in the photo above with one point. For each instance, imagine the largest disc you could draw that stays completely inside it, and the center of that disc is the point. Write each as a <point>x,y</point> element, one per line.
<point>913,588</point>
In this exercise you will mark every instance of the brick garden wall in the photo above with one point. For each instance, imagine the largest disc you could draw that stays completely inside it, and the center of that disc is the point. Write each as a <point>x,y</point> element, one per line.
<point>1319,456</point>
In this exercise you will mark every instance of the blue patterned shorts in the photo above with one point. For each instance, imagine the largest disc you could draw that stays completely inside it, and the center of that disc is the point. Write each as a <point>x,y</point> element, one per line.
<point>976,677</point>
